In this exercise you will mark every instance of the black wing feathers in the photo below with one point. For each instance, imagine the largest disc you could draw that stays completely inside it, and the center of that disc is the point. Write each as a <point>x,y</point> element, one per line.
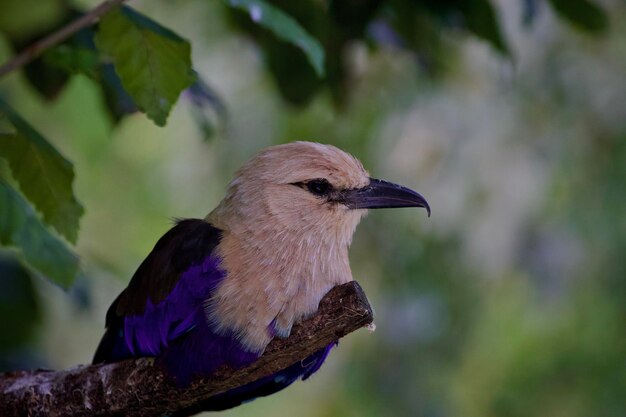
<point>185,244</point>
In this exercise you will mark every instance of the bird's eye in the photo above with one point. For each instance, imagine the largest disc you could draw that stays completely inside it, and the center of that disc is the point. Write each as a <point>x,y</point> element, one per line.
<point>319,187</point>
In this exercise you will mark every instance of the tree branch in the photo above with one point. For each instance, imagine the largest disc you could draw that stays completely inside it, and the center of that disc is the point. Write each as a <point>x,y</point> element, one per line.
<point>34,50</point>
<point>137,388</point>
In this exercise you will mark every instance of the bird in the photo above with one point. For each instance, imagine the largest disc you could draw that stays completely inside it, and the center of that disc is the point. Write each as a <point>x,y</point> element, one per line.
<point>215,291</point>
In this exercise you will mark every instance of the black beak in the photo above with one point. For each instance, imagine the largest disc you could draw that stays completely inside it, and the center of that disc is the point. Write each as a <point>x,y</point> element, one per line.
<point>382,194</point>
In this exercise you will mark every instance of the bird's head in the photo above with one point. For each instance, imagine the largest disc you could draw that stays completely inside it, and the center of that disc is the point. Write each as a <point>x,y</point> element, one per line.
<point>287,220</point>
<point>307,187</point>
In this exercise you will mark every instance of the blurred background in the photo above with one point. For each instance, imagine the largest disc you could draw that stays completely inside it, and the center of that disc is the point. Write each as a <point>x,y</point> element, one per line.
<point>509,301</point>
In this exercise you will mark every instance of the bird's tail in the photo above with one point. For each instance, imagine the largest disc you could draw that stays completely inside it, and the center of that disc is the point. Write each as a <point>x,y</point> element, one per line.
<point>104,352</point>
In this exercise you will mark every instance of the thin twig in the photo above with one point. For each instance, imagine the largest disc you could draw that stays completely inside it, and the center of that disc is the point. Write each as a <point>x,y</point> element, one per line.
<point>34,50</point>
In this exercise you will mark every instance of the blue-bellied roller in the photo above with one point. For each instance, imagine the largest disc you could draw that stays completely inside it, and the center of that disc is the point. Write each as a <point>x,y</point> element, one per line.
<point>216,291</point>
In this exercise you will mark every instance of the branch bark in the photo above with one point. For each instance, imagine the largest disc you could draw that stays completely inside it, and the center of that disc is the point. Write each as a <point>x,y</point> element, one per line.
<point>34,50</point>
<point>138,388</point>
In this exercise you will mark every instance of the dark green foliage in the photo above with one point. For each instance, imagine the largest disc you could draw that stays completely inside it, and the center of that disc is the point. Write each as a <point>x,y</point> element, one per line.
<point>406,25</point>
<point>292,72</point>
<point>73,60</point>
<point>480,19</point>
<point>285,28</point>
<point>22,29</point>
<point>19,304</point>
<point>45,178</point>
<point>49,73</point>
<point>44,175</point>
<point>582,13</point>
<point>153,63</point>
<point>20,227</point>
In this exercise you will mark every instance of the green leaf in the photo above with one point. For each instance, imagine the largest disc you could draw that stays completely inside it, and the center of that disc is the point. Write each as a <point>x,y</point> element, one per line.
<point>285,27</point>
<point>43,174</point>
<point>153,63</point>
<point>21,227</point>
<point>480,19</point>
<point>582,13</point>
<point>73,59</point>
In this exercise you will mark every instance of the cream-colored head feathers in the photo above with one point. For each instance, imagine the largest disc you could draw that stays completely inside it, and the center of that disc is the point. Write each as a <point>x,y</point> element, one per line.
<point>283,247</point>
<point>301,161</point>
<point>264,187</point>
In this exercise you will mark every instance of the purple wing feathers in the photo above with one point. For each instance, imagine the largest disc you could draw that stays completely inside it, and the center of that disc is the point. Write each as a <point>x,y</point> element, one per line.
<point>161,314</point>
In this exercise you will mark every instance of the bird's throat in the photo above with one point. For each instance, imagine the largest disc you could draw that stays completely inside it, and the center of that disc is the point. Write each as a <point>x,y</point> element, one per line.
<point>273,279</point>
